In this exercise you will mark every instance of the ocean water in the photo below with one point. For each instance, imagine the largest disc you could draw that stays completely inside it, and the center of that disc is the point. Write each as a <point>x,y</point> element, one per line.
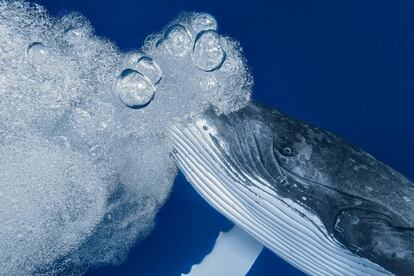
<point>347,67</point>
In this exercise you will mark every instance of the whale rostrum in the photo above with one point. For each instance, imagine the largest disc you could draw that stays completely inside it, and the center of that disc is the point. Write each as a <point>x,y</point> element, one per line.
<point>320,203</point>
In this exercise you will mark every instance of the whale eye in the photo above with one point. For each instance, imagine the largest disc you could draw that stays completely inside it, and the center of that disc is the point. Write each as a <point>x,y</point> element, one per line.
<point>285,149</point>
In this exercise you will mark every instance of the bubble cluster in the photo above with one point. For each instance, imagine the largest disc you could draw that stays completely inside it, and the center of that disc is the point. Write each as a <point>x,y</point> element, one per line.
<point>50,200</point>
<point>84,165</point>
<point>192,65</point>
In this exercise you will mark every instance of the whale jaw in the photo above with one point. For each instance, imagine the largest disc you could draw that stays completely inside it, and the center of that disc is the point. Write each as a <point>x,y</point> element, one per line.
<point>285,227</point>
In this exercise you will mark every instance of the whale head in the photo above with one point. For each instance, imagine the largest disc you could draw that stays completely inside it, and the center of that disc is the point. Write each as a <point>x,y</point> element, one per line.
<point>279,180</point>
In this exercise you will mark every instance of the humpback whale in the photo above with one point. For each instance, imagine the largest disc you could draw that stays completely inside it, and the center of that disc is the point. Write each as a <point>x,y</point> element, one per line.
<point>322,204</point>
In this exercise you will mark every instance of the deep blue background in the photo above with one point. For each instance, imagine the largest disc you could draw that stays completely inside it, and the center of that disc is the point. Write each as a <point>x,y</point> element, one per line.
<point>347,66</point>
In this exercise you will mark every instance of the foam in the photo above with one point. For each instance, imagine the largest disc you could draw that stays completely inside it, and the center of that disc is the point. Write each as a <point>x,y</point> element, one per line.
<point>50,202</point>
<point>84,165</point>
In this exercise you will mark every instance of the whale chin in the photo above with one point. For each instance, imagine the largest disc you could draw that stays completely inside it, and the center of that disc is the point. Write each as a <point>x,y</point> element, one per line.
<point>247,197</point>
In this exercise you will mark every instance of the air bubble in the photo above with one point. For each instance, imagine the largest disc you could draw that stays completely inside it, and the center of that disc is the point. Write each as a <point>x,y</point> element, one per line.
<point>82,122</point>
<point>103,114</point>
<point>134,89</point>
<point>177,40</point>
<point>150,69</point>
<point>209,84</point>
<point>208,55</point>
<point>87,121</point>
<point>204,22</point>
<point>37,53</point>
<point>73,35</point>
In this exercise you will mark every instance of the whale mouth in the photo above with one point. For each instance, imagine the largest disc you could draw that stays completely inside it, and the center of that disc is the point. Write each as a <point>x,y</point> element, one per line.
<point>283,226</point>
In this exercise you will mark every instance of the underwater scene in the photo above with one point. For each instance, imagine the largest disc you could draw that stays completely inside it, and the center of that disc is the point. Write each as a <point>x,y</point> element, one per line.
<point>206,137</point>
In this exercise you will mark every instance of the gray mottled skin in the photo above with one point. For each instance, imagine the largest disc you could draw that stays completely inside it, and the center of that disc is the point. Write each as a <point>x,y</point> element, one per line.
<point>363,203</point>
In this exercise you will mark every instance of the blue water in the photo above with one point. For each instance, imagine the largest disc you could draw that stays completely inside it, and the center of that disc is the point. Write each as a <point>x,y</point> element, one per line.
<point>347,66</point>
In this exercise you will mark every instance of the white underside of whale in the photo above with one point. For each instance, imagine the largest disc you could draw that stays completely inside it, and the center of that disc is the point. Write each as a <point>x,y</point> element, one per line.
<point>280,224</point>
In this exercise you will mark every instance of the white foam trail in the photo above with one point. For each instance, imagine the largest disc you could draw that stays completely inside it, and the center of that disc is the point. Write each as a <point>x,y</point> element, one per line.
<point>234,253</point>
